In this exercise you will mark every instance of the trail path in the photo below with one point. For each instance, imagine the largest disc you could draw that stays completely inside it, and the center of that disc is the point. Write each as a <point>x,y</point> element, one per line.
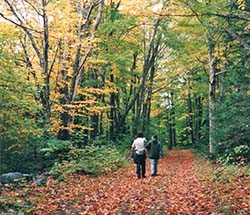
<point>176,190</point>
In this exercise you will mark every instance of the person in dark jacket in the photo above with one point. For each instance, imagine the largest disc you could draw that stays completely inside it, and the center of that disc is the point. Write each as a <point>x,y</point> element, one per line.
<point>155,152</point>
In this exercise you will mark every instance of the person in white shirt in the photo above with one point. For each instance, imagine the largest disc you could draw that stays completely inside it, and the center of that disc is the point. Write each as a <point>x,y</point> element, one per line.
<point>138,146</point>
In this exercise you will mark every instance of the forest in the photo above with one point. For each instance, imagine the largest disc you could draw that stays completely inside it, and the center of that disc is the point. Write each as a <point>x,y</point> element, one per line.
<point>79,79</point>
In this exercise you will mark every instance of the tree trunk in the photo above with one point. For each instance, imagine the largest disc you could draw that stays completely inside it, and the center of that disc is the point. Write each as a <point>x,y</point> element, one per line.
<point>112,111</point>
<point>63,133</point>
<point>212,99</point>
<point>94,126</point>
<point>78,67</point>
<point>147,105</point>
<point>170,132</point>
<point>190,115</point>
<point>171,122</point>
<point>198,119</point>
<point>138,99</point>
<point>173,119</point>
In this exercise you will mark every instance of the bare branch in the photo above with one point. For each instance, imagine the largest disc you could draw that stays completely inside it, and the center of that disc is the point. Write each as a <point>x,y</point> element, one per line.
<point>78,73</point>
<point>12,9</point>
<point>225,16</point>
<point>237,37</point>
<point>54,58</point>
<point>34,8</point>
<point>219,73</point>
<point>25,29</point>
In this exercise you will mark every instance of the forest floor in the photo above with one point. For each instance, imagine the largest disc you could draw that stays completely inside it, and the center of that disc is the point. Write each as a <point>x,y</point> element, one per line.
<point>183,186</point>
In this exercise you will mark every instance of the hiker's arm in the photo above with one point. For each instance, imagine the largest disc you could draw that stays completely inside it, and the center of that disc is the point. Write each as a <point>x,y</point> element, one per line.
<point>133,147</point>
<point>161,150</point>
<point>147,144</point>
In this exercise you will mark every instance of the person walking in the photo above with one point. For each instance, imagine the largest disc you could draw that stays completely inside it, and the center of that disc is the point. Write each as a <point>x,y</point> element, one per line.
<point>155,152</point>
<point>138,147</point>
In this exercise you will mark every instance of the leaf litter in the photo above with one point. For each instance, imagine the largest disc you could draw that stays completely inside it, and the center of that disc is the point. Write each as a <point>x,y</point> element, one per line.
<point>177,189</point>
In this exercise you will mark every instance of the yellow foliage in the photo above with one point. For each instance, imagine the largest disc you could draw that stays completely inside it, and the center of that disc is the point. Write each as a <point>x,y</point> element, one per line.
<point>8,31</point>
<point>241,4</point>
<point>155,112</point>
<point>74,126</point>
<point>247,27</point>
<point>96,110</point>
<point>97,61</point>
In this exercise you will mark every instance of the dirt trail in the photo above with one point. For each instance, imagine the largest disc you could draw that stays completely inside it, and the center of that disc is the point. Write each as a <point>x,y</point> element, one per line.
<point>176,190</point>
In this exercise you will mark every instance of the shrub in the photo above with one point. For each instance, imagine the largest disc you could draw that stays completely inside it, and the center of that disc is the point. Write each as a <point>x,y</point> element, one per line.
<point>91,159</point>
<point>233,133</point>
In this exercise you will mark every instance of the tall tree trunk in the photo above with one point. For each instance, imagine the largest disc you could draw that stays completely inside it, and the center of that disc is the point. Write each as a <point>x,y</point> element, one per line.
<point>63,133</point>
<point>101,121</point>
<point>137,100</point>
<point>190,114</point>
<point>172,115</point>
<point>212,98</point>
<point>112,111</point>
<point>78,66</point>
<point>198,118</point>
<point>41,54</point>
<point>94,126</point>
<point>171,122</point>
<point>170,131</point>
<point>147,105</point>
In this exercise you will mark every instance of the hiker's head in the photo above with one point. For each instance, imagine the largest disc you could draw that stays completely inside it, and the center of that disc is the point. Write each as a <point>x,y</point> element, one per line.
<point>154,137</point>
<point>139,134</point>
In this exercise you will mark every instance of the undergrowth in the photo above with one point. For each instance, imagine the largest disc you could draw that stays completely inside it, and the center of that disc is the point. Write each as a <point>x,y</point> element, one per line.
<point>94,159</point>
<point>229,184</point>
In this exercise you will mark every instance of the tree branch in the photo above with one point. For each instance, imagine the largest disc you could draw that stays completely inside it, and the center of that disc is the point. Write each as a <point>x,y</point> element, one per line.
<point>78,73</point>
<point>237,37</point>
<point>34,8</point>
<point>25,29</point>
<point>204,14</point>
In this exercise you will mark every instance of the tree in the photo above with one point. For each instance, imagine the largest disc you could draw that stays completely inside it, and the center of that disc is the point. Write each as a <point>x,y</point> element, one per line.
<point>19,121</point>
<point>56,56</point>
